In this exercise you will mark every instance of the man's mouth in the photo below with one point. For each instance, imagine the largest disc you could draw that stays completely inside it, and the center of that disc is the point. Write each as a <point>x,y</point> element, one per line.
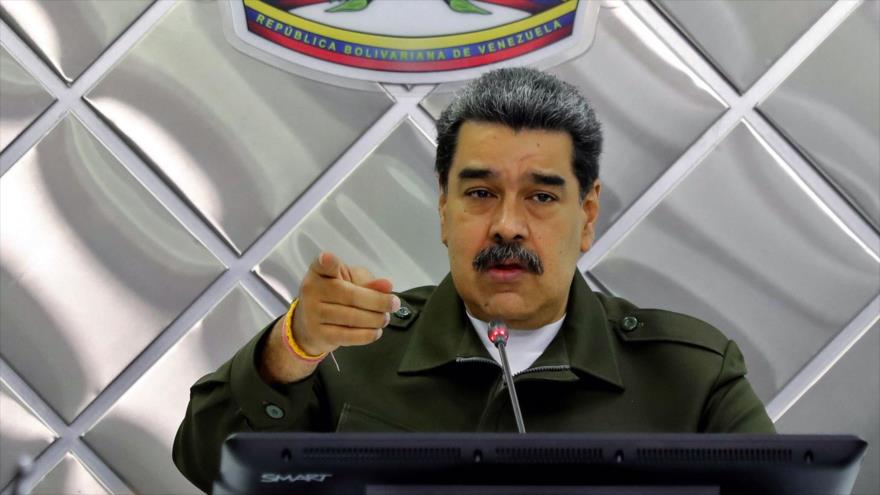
<point>507,265</point>
<point>506,271</point>
<point>507,262</point>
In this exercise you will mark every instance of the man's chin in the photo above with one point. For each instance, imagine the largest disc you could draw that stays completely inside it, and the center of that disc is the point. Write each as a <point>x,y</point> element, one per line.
<point>506,306</point>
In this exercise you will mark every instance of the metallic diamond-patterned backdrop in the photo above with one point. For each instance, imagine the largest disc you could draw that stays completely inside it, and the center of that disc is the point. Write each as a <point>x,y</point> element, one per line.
<point>22,433</point>
<point>147,415</point>
<point>743,39</point>
<point>21,98</point>
<point>382,216</point>
<point>825,112</point>
<point>69,476</point>
<point>162,195</point>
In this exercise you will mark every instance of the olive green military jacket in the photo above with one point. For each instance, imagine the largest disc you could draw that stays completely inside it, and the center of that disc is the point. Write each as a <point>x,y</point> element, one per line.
<point>611,367</point>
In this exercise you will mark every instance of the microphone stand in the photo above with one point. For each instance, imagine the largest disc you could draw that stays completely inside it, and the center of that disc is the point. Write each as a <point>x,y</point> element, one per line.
<point>498,336</point>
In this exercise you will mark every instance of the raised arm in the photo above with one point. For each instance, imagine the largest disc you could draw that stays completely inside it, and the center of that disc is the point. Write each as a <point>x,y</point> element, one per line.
<point>267,386</point>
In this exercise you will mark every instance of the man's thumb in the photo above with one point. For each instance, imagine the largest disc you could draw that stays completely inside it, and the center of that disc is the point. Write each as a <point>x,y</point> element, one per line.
<point>327,265</point>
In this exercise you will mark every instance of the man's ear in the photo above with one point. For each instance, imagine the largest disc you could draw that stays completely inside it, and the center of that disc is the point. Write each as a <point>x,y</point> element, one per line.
<point>591,214</point>
<point>441,209</point>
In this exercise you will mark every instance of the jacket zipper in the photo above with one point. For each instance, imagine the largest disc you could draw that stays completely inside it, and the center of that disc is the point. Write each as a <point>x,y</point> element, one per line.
<point>555,367</point>
<point>477,359</point>
<point>500,385</point>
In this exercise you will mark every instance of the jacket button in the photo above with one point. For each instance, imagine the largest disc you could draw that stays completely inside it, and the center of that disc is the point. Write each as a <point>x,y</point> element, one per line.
<point>403,313</point>
<point>274,411</point>
<point>630,323</point>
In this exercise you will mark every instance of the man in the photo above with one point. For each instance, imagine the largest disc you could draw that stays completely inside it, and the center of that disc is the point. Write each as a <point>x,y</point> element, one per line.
<point>517,162</point>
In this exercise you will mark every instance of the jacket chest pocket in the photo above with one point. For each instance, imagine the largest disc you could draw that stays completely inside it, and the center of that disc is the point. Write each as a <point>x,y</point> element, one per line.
<point>356,419</point>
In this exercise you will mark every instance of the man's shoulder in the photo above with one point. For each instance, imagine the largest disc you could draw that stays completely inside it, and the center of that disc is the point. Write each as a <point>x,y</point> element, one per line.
<point>417,296</point>
<point>636,325</point>
<point>412,302</point>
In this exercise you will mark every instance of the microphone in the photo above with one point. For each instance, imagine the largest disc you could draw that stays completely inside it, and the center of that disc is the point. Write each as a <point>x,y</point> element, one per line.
<point>498,336</point>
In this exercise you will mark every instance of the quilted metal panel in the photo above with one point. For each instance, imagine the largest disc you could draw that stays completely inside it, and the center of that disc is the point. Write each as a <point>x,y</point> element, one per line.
<point>148,415</point>
<point>743,39</point>
<point>240,139</point>
<point>22,99</point>
<point>830,108</point>
<point>71,34</point>
<point>740,245</point>
<point>69,476</point>
<point>383,217</point>
<point>21,434</point>
<point>93,267</point>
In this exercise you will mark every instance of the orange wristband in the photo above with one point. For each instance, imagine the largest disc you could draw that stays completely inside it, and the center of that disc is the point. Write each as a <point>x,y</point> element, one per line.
<point>291,343</point>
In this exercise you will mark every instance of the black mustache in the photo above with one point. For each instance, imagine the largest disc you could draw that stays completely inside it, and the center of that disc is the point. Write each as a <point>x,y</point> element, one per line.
<point>508,253</point>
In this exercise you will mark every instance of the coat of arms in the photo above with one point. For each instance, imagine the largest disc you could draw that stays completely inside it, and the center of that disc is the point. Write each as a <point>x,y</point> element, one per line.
<point>410,41</point>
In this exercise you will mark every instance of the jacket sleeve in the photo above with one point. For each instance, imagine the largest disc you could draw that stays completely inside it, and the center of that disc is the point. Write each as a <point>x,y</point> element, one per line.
<point>235,399</point>
<point>732,406</point>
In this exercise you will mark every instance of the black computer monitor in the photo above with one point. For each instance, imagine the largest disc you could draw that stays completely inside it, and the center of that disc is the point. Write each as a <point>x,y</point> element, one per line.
<point>538,463</point>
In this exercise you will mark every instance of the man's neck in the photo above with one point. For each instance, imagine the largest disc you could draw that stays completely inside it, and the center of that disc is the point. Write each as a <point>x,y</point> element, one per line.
<point>530,323</point>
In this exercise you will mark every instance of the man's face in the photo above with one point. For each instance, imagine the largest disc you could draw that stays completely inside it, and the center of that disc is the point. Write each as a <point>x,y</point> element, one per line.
<point>516,189</point>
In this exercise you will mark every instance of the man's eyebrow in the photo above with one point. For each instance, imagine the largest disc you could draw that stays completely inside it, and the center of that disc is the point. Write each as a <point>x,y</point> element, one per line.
<point>475,173</point>
<point>548,179</point>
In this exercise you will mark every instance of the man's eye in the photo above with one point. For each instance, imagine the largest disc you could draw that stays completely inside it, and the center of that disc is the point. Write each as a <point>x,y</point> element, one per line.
<point>479,193</point>
<point>544,198</point>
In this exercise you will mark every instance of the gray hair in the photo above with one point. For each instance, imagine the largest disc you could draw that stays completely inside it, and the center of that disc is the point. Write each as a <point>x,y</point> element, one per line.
<point>524,98</point>
<point>508,252</point>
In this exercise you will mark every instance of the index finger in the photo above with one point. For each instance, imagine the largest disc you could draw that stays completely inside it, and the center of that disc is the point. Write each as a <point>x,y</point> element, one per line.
<point>361,276</point>
<point>349,294</point>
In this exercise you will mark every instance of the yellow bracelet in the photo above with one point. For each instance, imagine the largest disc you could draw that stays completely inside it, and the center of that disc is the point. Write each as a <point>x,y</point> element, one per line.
<point>291,343</point>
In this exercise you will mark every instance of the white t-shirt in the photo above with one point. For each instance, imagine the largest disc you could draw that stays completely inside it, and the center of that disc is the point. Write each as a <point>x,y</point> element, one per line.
<point>524,347</point>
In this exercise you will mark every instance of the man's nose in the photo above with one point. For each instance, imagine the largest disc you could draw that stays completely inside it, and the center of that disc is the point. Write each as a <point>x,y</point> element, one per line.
<point>509,222</point>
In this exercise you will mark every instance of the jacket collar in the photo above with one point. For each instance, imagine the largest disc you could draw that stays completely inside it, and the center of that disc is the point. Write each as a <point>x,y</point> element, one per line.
<point>442,333</point>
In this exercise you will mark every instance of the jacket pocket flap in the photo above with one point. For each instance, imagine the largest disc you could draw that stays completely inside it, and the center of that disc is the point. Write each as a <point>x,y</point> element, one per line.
<point>354,419</point>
